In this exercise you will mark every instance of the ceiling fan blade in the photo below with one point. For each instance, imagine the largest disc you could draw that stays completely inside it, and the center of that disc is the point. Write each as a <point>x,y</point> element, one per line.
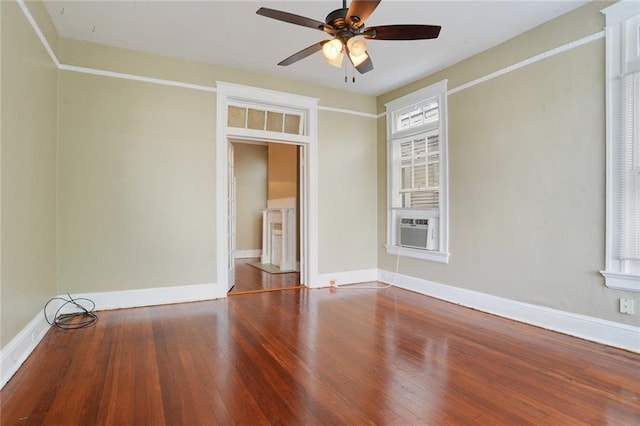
<point>295,19</point>
<point>402,32</point>
<point>359,11</point>
<point>308,51</point>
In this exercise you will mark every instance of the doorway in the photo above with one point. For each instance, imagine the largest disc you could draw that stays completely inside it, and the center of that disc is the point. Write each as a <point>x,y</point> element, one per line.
<point>244,113</point>
<point>266,193</point>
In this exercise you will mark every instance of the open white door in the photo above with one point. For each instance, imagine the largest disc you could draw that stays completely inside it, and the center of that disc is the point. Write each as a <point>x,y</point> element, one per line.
<point>231,217</point>
<point>302,205</point>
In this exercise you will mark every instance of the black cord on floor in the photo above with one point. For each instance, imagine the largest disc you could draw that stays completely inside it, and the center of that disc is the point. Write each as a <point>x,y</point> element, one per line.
<point>70,321</point>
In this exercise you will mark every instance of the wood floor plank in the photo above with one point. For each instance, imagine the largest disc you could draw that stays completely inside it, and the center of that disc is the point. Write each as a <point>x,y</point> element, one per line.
<point>318,357</point>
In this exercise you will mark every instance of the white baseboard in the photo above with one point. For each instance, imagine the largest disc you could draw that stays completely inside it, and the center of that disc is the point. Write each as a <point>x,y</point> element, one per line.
<point>348,277</point>
<point>589,328</point>
<point>20,347</point>
<point>247,254</point>
<point>153,296</point>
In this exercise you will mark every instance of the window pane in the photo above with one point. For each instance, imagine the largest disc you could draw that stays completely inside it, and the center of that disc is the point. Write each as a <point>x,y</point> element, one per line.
<point>416,117</point>
<point>406,178</point>
<point>292,124</point>
<point>274,121</point>
<point>420,176</point>
<point>419,147</point>
<point>431,112</point>
<point>434,144</point>
<point>406,149</point>
<point>236,116</point>
<point>434,175</point>
<point>256,119</point>
<point>425,200</point>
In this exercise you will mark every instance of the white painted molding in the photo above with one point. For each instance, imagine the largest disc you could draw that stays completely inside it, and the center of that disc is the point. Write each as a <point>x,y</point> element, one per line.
<point>585,327</point>
<point>152,296</point>
<point>14,354</point>
<point>349,111</point>
<point>348,277</point>
<point>532,60</point>
<point>248,254</point>
<point>39,33</point>
<point>125,76</point>
<point>621,281</point>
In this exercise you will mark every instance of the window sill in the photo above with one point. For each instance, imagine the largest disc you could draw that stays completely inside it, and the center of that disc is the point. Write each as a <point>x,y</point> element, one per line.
<point>621,281</point>
<point>434,256</point>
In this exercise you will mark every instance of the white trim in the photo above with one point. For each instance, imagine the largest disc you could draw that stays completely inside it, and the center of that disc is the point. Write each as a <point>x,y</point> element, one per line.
<point>347,277</point>
<point>585,327</point>
<point>439,91</point>
<point>348,111</point>
<point>38,31</point>
<point>621,281</point>
<point>532,60</point>
<point>266,97</point>
<point>620,11</point>
<point>152,296</point>
<point>125,76</point>
<point>248,254</point>
<point>616,276</point>
<point>228,93</point>
<point>14,354</point>
<point>434,256</point>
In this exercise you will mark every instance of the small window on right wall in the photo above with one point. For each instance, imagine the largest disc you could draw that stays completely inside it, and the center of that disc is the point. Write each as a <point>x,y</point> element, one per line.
<point>417,201</point>
<point>622,263</point>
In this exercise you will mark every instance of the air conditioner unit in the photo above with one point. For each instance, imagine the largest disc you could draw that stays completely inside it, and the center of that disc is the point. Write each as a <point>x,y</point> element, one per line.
<point>418,233</point>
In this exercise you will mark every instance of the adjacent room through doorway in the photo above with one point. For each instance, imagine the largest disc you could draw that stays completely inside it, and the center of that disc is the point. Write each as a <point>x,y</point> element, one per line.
<point>267,216</point>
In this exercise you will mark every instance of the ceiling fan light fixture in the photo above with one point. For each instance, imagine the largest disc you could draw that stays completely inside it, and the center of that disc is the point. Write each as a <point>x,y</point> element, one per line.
<point>332,50</point>
<point>337,61</point>
<point>357,47</point>
<point>357,51</point>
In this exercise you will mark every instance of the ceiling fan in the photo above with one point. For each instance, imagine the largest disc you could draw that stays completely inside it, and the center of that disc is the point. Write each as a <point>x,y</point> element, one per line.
<point>347,26</point>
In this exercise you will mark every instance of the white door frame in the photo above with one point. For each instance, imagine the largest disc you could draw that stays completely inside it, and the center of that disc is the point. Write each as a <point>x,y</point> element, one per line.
<point>263,98</point>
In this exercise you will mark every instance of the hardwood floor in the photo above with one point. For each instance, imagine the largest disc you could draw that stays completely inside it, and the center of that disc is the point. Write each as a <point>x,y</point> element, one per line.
<point>250,279</point>
<point>314,357</point>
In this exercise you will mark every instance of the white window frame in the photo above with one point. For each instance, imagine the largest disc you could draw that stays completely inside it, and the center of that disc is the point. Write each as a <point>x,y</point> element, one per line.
<point>622,58</point>
<point>394,136</point>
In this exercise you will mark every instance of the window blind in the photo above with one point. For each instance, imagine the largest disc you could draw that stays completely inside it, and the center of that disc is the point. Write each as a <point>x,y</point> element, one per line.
<point>629,168</point>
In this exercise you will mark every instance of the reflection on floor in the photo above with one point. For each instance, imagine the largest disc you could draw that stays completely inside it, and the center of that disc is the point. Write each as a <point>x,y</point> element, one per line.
<point>250,279</point>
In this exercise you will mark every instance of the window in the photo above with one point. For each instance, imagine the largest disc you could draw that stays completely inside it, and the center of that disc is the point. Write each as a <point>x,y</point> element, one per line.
<point>248,117</point>
<point>417,216</point>
<point>622,269</point>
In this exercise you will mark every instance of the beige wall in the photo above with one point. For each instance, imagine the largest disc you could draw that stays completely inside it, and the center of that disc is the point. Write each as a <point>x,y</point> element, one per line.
<point>28,173</point>
<point>251,194</point>
<point>282,171</point>
<point>136,185</point>
<point>137,176</point>
<point>347,192</point>
<point>527,175</point>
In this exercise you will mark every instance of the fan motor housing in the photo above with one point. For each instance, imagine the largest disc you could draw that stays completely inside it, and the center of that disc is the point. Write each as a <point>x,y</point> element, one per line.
<point>336,18</point>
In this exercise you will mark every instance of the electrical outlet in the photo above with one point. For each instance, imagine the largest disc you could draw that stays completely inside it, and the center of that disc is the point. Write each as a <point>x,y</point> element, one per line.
<point>626,306</point>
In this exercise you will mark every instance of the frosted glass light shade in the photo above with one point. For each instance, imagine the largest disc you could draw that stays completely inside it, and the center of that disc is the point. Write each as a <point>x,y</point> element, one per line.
<point>357,51</point>
<point>332,49</point>
<point>357,47</point>
<point>337,61</point>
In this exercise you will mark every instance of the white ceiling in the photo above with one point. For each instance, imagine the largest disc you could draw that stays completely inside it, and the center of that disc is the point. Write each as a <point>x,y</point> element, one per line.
<point>231,33</point>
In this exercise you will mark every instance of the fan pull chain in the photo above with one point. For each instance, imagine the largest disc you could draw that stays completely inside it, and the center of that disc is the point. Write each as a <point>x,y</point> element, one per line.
<point>345,71</point>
